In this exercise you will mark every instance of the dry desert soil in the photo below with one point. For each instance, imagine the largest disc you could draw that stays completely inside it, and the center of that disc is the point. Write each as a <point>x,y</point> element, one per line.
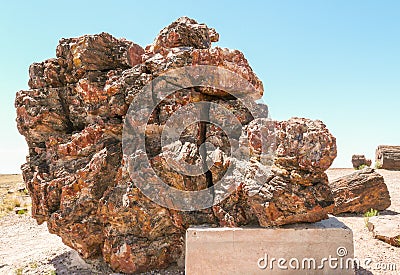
<point>28,248</point>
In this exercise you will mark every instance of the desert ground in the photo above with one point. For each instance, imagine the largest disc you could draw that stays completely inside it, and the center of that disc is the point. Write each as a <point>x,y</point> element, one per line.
<point>28,248</point>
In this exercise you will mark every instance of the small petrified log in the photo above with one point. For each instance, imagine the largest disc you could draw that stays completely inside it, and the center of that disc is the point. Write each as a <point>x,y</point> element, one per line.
<point>386,228</point>
<point>388,157</point>
<point>360,160</point>
<point>359,192</point>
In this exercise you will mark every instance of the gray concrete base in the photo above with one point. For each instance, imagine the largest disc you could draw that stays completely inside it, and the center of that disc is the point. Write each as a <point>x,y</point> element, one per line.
<point>325,247</point>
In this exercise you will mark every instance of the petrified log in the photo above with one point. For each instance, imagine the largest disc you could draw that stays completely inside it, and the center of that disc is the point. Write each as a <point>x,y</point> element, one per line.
<point>81,171</point>
<point>359,192</point>
<point>386,228</point>
<point>388,157</point>
<point>360,160</point>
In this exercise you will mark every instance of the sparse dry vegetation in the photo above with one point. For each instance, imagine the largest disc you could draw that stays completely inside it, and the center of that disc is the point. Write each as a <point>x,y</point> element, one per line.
<point>12,198</point>
<point>362,167</point>
<point>370,213</point>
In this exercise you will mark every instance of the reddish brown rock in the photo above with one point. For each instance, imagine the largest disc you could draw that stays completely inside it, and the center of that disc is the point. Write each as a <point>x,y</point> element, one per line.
<point>98,53</point>
<point>359,192</point>
<point>83,56</point>
<point>77,175</point>
<point>388,157</point>
<point>296,189</point>
<point>359,161</point>
<point>304,148</point>
<point>184,32</point>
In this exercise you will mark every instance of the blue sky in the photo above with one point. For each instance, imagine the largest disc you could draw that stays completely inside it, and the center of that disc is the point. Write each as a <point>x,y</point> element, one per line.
<point>338,61</point>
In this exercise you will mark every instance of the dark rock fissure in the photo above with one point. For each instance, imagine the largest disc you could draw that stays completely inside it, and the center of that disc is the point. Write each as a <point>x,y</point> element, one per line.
<point>204,121</point>
<point>70,126</point>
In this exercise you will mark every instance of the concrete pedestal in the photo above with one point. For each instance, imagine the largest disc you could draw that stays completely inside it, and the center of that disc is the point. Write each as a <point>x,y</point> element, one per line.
<point>325,247</point>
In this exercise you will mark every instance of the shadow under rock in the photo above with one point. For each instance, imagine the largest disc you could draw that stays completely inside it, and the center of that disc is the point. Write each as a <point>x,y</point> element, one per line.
<point>71,263</point>
<point>362,271</point>
<point>389,212</point>
<point>356,215</point>
<point>360,215</point>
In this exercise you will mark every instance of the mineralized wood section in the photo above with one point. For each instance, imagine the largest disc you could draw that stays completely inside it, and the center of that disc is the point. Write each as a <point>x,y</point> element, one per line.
<point>359,161</point>
<point>359,192</point>
<point>72,118</point>
<point>388,157</point>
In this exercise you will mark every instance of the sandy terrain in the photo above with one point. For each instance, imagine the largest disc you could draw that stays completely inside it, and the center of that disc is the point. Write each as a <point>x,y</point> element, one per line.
<point>27,248</point>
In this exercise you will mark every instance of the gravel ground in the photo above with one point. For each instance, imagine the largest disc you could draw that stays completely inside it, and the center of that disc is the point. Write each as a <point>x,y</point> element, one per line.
<point>28,248</point>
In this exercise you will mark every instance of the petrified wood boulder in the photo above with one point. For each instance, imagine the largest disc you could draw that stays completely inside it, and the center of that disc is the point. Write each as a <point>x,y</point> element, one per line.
<point>359,161</point>
<point>388,157</point>
<point>359,192</point>
<point>85,167</point>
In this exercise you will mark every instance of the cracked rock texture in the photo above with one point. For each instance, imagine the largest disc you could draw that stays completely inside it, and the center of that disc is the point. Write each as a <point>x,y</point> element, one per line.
<point>359,192</point>
<point>388,157</point>
<point>72,118</point>
<point>360,160</point>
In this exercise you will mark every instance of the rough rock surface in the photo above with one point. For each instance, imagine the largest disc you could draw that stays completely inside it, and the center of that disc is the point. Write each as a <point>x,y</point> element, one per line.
<point>386,228</point>
<point>360,160</point>
<point>388,157</point>
<point>73,117</point>
<point>359,192</point>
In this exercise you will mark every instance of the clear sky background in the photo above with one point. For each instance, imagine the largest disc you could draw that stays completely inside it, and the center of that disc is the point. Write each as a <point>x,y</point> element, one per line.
<point>338,61</point>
